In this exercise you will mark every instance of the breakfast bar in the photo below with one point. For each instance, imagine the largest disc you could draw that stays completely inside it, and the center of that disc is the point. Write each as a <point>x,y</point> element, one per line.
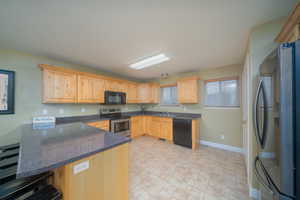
<point>88,163</point>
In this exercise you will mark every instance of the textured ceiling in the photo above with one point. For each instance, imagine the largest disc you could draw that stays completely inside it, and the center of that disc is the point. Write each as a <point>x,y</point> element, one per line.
<point>112,34</point>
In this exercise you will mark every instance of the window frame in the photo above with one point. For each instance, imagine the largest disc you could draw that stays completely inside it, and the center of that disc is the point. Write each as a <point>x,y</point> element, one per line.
<point>160,99</point>
<point>236,78</point>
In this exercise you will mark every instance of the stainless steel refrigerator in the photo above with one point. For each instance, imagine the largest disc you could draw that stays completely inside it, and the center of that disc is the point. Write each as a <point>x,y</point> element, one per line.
<point>277,124</point>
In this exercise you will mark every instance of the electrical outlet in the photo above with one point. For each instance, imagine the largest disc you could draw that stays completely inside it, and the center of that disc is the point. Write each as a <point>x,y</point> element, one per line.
<point>222,137</point>
<point>81,167</point>
<point>82,109</point>
<point>61,111</point>
<point>45,111</point>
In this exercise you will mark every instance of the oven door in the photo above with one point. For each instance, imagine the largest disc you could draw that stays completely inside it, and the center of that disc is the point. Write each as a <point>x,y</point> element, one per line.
<point>114,98</point>
<point>120,127</point>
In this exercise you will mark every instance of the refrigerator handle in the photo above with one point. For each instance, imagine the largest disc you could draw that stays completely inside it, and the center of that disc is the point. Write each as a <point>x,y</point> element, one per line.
<point>270,185</point>
<point>260,139</point>
<point>259,176</point>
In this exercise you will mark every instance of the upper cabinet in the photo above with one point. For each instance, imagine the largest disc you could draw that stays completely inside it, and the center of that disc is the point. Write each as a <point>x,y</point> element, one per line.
<point>90,89</point>
<point>290,32</point>
<point>59,85</point>
<point>131,96</point>
<point>188,90</point>
<point>115,85</point>
<point>62,85</point>
<point>148,93</point>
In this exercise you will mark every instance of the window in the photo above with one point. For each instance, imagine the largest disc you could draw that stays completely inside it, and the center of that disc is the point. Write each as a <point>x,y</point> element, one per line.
<point>168,95</point>
<point>222,93</point>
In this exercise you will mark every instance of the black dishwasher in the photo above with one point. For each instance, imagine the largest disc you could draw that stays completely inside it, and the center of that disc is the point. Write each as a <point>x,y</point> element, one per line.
<point>182,132</point>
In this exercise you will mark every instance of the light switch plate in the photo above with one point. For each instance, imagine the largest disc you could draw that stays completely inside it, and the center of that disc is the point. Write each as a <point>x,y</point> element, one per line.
<point>81,167</point>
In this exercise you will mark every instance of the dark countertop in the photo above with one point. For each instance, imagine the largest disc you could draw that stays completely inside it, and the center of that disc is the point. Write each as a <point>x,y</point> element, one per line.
<point>46,149</point>
<point>91,118</point>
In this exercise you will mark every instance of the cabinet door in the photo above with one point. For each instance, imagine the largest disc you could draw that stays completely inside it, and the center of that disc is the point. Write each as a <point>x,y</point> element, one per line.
<point>188,90</point>
<point>115,85</point>
<point>147,121</point>
<point>155,127</point>
<point>131,93</point>
<point>98,90</point>
<point>155,93</point>
<point>85,89</point>
<point>144,93</point>
<point>90,89</point>
<point>167,129</point>
<point>135,126</point>
<point>59,86</point>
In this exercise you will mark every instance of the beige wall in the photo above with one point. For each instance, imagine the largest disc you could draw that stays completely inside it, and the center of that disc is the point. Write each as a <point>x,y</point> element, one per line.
<point>28,91</point>
<point>215,121</point>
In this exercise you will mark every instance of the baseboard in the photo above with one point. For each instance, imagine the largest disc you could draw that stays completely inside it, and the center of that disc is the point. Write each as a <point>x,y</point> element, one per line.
<point>254,193</point>
<point>222,146</point>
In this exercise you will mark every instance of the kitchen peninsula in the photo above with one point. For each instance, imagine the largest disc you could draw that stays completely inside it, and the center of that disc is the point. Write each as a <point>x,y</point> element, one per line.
<point>88,163</point>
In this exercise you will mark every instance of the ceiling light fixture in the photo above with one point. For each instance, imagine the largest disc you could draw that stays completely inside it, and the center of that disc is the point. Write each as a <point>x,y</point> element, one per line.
<point>149,61</point>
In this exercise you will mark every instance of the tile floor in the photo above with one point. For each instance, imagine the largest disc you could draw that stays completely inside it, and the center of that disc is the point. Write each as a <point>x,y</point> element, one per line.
<point>163,171</point>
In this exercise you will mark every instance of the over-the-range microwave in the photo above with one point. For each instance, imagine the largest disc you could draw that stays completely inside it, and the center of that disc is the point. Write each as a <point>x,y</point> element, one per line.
<point>114,98</point>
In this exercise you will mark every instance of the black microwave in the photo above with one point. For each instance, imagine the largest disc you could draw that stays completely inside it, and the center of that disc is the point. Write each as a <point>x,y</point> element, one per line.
<point>114,98</point>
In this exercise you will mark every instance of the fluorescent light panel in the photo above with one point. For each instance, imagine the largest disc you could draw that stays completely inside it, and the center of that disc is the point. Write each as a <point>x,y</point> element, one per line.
<point>154,60</point>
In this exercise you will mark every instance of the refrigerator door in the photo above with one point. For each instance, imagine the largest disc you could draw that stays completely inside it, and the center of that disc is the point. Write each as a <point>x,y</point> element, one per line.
<point>286,122</point>
<point>296,75</point>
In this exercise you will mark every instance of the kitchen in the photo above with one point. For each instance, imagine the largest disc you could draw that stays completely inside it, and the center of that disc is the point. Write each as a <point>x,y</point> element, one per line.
<point>72,130</point>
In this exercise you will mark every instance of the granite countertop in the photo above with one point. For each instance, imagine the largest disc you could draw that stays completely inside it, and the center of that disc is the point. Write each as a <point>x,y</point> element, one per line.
<point>92,118</point>
<point>44,149</point>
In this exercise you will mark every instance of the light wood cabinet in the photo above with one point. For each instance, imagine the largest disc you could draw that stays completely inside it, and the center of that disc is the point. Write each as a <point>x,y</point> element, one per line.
<point>137,127</point>
<point>100,124</point>
<point>188,90</point>
<point>131,96</point>
<point>155,127</point>
<point>59,85</point>
<point>62,85</point>
<point>106,177</point>
<point>148,93</point>
<point>144,93</point>
<point>195,134</point>
<point>115,85</point>
<point>290,31</point>
<point>166,127</point>
<point>155,92</point>
<point>160,127</point>
<point>90,89</point>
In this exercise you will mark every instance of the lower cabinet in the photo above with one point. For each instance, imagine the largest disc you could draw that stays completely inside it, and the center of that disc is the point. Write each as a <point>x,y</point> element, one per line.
<point>158,127</point>
<point>166,129</point>
<point>137,126</point>
<point>103,176</point>
<point>100,124</point>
